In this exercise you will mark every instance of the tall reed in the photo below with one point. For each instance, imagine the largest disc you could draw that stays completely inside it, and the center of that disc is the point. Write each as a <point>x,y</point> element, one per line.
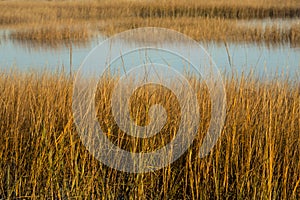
<point>42,156</point>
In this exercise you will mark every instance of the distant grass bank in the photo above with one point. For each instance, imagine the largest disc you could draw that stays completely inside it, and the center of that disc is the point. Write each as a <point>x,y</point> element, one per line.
<point>201,20</point>
<point>42,156</point>
<point>17,12</point>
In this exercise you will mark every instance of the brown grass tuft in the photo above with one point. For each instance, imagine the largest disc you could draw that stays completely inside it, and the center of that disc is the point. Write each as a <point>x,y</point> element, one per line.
<point>43,157</point>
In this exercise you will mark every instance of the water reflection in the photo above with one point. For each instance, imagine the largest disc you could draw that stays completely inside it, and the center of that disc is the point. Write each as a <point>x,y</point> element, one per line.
<point>34,45</point>
<point>280,22</point>
<point>238,57</point>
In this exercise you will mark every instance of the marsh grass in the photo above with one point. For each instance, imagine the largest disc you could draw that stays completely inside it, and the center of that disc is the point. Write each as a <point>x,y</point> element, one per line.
<point>201,20</point>
<point>205,29</point>
<point>18,12</point>
<point>52,35</point>
<point>42,156</point>
<point>200,29</point>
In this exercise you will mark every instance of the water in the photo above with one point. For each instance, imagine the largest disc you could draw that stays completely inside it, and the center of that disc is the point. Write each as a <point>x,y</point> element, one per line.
<point>237,57</point>
<point>280,22</point>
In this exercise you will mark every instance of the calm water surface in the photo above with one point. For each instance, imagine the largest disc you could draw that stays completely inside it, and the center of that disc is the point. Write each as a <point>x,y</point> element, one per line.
<point>237,57</point>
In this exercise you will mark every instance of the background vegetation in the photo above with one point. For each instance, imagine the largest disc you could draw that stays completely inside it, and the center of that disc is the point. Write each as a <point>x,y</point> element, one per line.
<point>202,20</point>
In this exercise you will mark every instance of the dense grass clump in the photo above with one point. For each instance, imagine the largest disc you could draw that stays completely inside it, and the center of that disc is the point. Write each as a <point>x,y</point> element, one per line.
<point>42,156</point>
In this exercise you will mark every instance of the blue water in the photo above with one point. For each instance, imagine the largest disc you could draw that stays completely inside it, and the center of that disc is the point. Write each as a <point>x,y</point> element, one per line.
<point>238,57</point>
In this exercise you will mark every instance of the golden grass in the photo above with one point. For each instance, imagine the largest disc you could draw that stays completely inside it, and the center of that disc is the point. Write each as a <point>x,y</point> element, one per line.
<point>200,29</point>
<point>202,20</point>
<point>53,35</point>
<point>17,12</point>
<point>42,156</point>
<point>204,29</point>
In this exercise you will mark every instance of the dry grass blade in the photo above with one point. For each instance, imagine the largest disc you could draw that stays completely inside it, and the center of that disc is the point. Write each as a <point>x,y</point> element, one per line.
<point>43,157</point>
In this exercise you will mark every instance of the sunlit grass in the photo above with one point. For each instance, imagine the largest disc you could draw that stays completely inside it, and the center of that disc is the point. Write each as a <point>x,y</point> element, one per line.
<point>205,29</point>
<point>42,156</point>
<point>17,12</point>
<point>52,35</point>
<point>201,20</point>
